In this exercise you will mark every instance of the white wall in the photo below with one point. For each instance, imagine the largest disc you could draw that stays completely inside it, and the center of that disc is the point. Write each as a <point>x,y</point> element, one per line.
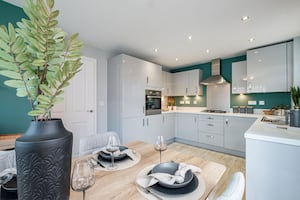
<point>296,64</point>
<point>101,57</point>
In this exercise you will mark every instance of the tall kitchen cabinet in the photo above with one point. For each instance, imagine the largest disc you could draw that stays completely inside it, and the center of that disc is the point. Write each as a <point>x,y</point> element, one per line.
<point>269,69</point>
<point>128,77</point>
<point>239,77</point>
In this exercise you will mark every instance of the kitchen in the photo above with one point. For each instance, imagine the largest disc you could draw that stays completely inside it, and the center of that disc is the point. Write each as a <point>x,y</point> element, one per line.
<point>195,101</point>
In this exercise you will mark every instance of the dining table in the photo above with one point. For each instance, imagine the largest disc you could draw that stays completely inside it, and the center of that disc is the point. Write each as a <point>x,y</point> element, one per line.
<point>121,184</point>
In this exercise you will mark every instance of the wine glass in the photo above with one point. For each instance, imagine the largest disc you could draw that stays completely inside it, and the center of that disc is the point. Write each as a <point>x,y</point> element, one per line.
<point>82,176</point>
<point>6,171</point>
<point>160,145</point>
<point>112,146</point>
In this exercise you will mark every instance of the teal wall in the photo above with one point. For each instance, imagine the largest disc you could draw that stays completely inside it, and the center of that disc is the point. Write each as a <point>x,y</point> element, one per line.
<point>271,99</point>
<point>13,110</point>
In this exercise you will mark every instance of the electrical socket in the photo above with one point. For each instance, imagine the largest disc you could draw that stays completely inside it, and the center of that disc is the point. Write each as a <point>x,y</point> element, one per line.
<point>261,102</point>
<point>252,103</point>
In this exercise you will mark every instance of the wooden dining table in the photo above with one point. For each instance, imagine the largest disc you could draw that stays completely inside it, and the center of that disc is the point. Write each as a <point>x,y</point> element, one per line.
<point>121,184</point>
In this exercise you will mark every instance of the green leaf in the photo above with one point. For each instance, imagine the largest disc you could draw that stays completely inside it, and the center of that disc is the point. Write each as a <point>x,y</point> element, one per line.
<point>46,90</point>
<point>50,3</point>
<point>21,92</point>
<point>4,46</point>
<point>11,74</point>
<point>8,65</point>
<point>14,83</point>
<point>38,62</point>
<point>43,99</point>
<point>35,112</point>
<point>52,23</point>
<point>6,56</point>
<point>11,32</point>
<point>3,34</point>
<point>54,14</point>
<point>21,58</point>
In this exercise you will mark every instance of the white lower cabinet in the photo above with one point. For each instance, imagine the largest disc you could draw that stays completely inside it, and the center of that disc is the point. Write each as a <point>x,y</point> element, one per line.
<point>168,126</point>
<point>211,130</point>
<point>187,127</point>
<point>142,128</point>
<point>234,130</point>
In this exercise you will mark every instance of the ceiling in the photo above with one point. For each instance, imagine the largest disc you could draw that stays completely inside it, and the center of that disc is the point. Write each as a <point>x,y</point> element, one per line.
<point>137,27</point>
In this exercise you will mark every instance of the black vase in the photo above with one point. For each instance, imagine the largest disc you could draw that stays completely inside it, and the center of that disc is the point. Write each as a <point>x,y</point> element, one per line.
<point>43,156</point>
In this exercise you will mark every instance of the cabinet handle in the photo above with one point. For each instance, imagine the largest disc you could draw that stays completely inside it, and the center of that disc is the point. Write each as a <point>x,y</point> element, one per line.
<point>210,118</point>
<point>147,80</point>
<point>186,91</point>
<point>147,121</point>
<point>163,119</point>
<point>195,119</point>
<point>210,125</point>
<point>210,136</point>
<point>226,121</point>
<point>143,122</point>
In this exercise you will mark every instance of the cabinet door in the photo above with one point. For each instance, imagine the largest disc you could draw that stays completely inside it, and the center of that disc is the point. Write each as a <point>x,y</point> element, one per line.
<point>239,77</point>
<point>193,82</point>
<point>133,129</point>
<point>167,84</point>
<point>168,126</point>
<point>187,127</point>
<point>153,75</point>
<point>133,91</point>
<point>179,84</point>
<point>234,130</point>
<point>153,125</point>
<point>267,69</point>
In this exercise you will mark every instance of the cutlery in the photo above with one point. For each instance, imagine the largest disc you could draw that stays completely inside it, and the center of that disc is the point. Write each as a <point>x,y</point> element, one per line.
<point>148,191</point>
<point>98,162</point>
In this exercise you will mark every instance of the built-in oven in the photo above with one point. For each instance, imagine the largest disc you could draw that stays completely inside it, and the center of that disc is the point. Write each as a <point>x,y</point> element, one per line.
<point>153,102</point>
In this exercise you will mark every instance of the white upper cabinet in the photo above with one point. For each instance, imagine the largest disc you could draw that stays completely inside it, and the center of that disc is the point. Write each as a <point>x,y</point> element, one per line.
<point>167,89</point>
<point>187,83</point>
<point>269,68</point>
<point>153,74</point>
<point>239,77</point>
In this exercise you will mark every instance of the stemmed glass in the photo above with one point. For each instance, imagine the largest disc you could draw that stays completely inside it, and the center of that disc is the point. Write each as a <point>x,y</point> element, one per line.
<point>82,176</point>
<point>160,145</point>
<point>112,146</point>
<point>6,171</point>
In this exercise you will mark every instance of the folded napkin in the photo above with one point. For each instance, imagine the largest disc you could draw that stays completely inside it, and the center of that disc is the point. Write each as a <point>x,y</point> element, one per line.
<point>7,171</point>
<point>170,179</point>
<point>128,152</point>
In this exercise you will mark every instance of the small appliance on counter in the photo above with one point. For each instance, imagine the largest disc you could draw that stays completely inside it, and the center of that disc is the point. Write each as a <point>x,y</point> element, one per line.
<point>235,109</point>
<point>243,109</point>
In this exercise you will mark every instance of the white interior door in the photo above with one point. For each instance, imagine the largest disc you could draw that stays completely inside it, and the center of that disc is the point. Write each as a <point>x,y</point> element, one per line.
<point>78,110</point>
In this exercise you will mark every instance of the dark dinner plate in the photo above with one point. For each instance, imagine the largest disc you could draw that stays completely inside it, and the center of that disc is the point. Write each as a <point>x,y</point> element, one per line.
<point>9,190</point>
<point>171,168</point>
<point>190,187</point>
<point>107,156</point>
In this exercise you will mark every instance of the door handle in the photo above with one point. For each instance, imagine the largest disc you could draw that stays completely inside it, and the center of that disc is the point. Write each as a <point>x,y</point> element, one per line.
<point>90,111</point>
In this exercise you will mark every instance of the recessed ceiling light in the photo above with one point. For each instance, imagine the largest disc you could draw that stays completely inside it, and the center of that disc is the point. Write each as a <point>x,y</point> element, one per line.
<point>245,18</point>
<point>251,39</point>
<point>190,37</point>
<point>207,51</point>
<point>176,59</point>
<point>155,50</point>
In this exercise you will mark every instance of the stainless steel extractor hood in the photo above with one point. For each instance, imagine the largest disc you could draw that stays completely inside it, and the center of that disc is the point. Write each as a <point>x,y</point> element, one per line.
<point>215,78</point>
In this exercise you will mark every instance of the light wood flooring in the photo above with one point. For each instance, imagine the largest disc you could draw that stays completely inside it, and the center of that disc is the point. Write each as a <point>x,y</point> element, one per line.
<point>232,163</point>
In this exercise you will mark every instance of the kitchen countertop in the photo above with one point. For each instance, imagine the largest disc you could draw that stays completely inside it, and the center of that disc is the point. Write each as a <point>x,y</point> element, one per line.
<point>259,130</point>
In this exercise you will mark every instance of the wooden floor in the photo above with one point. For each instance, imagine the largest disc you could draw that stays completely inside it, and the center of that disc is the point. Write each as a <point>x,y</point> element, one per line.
<point>232,163</point>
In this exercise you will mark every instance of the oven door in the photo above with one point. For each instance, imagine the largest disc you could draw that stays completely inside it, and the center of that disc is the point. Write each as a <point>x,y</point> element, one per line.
<point>153,102</point>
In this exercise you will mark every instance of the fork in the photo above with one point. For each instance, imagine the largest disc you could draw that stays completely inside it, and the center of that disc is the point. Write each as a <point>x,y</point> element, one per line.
<point>148,191</point>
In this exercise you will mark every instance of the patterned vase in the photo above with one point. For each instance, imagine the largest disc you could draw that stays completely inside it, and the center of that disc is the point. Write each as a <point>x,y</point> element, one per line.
<point>43,156</point>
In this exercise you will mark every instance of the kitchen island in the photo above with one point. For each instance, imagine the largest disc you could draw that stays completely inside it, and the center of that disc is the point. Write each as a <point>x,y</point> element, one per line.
<point>272,161</point>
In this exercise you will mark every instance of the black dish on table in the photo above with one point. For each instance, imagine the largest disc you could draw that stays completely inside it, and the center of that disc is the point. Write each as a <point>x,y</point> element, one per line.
<point>9,190</point>
<point>190,187</point>
<point>171,168</point>
<point>107,156</point>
